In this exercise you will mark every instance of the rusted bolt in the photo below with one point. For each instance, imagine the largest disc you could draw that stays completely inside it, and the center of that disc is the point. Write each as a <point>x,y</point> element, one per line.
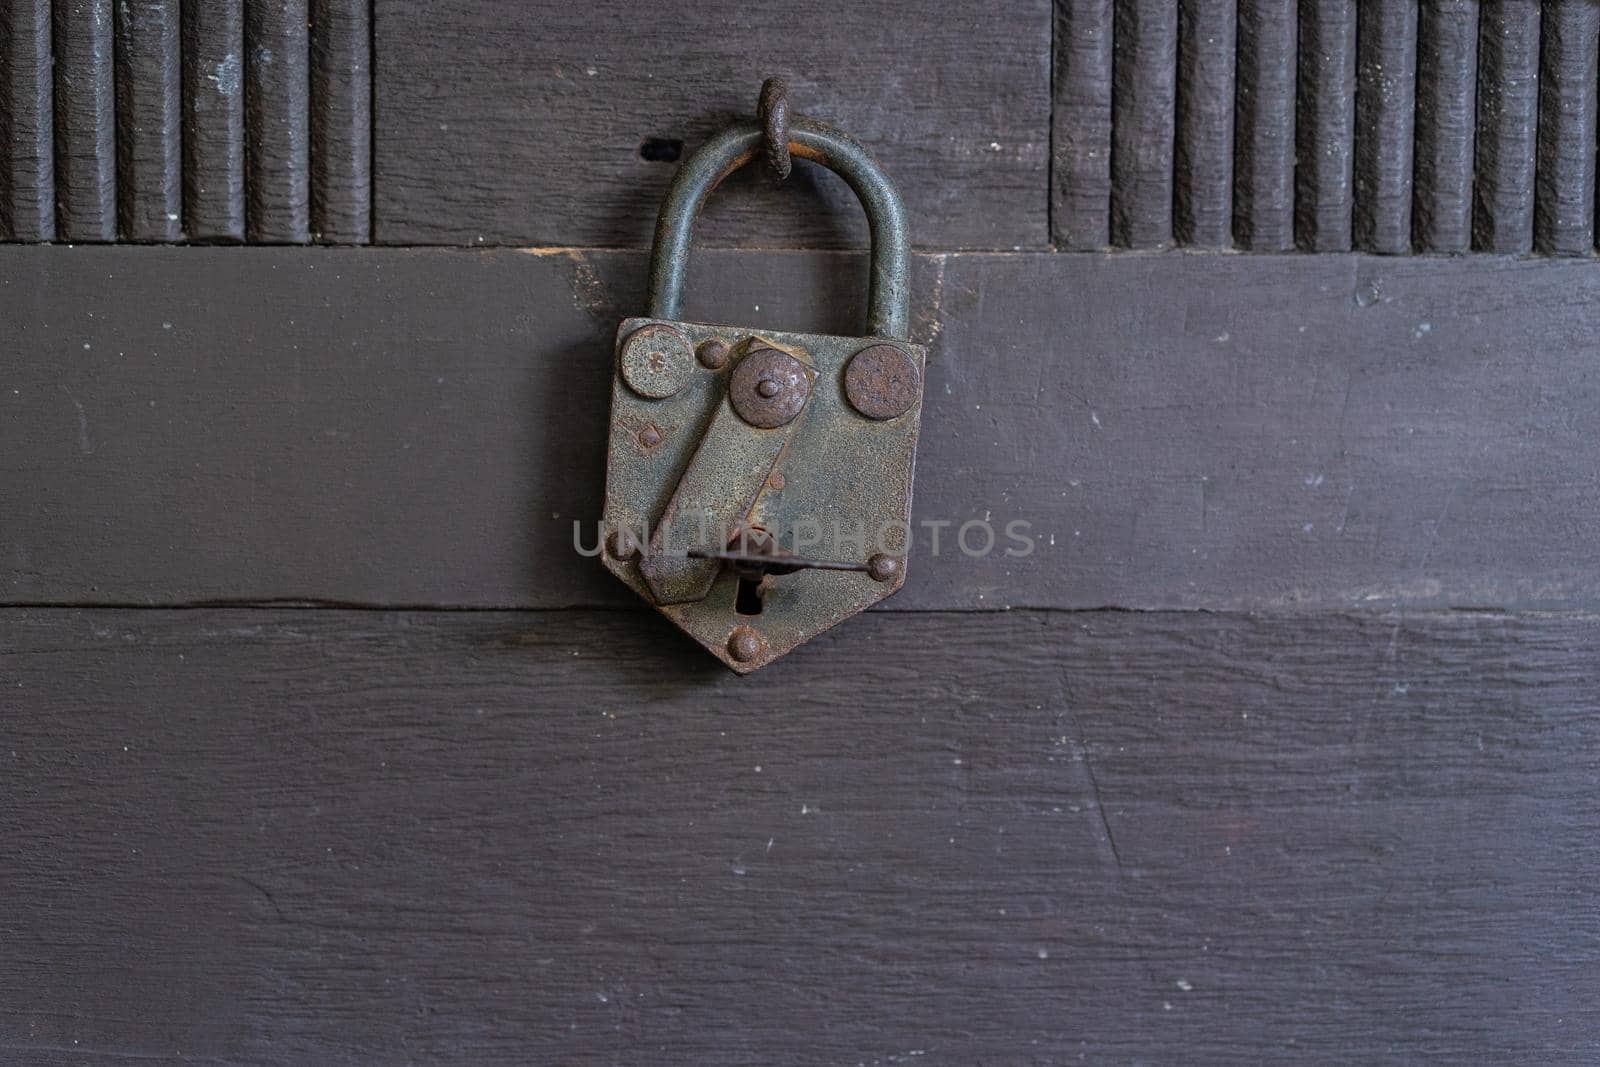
<point>883,567</point>
<point>744,644</point>
<point>650,436</point>
<point>777,480</point>
<point>656,361</point>
<point>622,544</point>
<point>768,388</point>
<point>882,382</point>
<point>714,354</point>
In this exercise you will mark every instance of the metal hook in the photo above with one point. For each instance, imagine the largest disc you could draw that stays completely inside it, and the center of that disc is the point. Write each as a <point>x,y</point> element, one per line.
<point>774,111</point>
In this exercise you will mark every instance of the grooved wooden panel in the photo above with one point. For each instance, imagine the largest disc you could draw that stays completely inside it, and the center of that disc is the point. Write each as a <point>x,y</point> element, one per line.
<point>27,123</point>
<point>423,427</point>
<point>85,121</point>
<point>1325,125</point>
<point>1386,83</point>
<point>260,837</point>
<point>149,121</point>
<point>213,117</point>
<point>341,121</point>
<point>1563,219</point>
<point>1508,122</point>
<point>525,123</point>
<point>1264,127</point>
<point>1081,125</point>
<point>1446,90</point>
<point>1203,153</point>
<point>277,126</point>
<point>1143,101</point>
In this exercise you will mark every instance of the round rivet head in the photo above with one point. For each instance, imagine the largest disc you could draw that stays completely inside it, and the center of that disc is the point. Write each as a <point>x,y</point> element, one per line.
<point>657,361</point>
<point>882,382</point>
<point>744,644</point>
<point>768,388</point>
<point>883,567</point>
<point>622,544</point>
<point>714,355</point>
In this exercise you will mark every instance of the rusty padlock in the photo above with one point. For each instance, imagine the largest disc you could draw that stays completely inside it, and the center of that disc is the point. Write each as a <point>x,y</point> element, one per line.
<point>758,483</point>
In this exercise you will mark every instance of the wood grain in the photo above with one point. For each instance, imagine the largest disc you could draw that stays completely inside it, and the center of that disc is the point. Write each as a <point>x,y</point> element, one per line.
<point>27,114</point>
<point>1446,115</point>
<point>1508,123</point>
<point>1143,101</point>
<point>1325,125</point>
<point>327,837</point>
<point>1203,153</point>
<point>1563,216</point>
<point>149,121</point>
<point>277,122</point>
<point>341,121</point>
<point>524,123</point>
<point>423,427</point>
<point>1386,84</point>
<point>85,121</point>
<point>213,120</point>
<point>1264,127</point>
<point>1081,125</point>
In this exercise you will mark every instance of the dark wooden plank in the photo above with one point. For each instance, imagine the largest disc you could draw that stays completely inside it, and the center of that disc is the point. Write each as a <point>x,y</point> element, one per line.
<point>1203,154</point>
<point>1563,215</point>
<point>1446,91</point>
<point>277,121</point>
<point>149,121</point>
<point>213,120</point>
<point>1325,125</point>
<point>325,837</point>
<point>341,121</point>
<point>1144,73</point>
<point>1081,125</point>
<point>27,114</point>
<point>1264,139</point>
<point>1508,121</point>
<point>532,123</point>
<point>1386,85</point>
<point>85,120</point>
<point>423,427</point>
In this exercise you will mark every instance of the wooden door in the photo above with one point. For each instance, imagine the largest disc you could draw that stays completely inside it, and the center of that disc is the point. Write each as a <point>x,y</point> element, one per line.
<point>1272,322</point>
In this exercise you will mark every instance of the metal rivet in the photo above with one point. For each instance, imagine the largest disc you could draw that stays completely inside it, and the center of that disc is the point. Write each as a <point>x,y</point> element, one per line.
<point>769,388</point>
<point>714,355</point>
<point>622,544</point>
<point>883,567</point>
<point>650,436</point>
<point>744,644</point>
<point>656,361</point>
<point>882,382</point>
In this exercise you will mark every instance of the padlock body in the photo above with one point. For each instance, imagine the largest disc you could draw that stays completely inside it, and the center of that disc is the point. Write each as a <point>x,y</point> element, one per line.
<point>838,491</point>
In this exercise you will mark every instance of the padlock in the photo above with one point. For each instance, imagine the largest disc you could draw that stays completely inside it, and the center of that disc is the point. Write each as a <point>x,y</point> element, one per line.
<point>758,483</point>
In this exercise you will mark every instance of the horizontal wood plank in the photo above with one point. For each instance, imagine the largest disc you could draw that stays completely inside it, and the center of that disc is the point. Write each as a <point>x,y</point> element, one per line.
<point>531,123</point>
<point>423,427</point>
<point>316,836</point>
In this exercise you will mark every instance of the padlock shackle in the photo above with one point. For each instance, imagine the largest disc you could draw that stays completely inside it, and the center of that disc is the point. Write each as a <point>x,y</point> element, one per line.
<point>889,299</point>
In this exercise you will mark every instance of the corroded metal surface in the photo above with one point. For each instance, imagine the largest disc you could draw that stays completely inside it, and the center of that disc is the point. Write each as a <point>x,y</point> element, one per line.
<point>766,475</point>
<point>838,485</point>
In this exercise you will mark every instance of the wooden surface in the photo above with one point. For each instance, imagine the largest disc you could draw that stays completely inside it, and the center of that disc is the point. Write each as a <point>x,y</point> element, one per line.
<point>278,836</point>
<point>27,123</point>
<point>149,121</point>
<point>82,35</point>
<point>424,426</point>
<point>523,124</point>
<point>213,120</point>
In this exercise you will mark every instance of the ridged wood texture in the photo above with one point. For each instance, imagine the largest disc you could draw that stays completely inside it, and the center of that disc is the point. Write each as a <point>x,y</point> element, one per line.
<point>155,121</point>
<point>1387,126</point>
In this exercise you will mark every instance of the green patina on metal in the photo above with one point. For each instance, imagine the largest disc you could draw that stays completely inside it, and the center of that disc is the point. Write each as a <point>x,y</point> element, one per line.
<point>761,492</point>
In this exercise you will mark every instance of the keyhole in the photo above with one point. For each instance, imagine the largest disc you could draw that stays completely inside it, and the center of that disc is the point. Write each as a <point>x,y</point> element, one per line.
<point>748,601</point>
